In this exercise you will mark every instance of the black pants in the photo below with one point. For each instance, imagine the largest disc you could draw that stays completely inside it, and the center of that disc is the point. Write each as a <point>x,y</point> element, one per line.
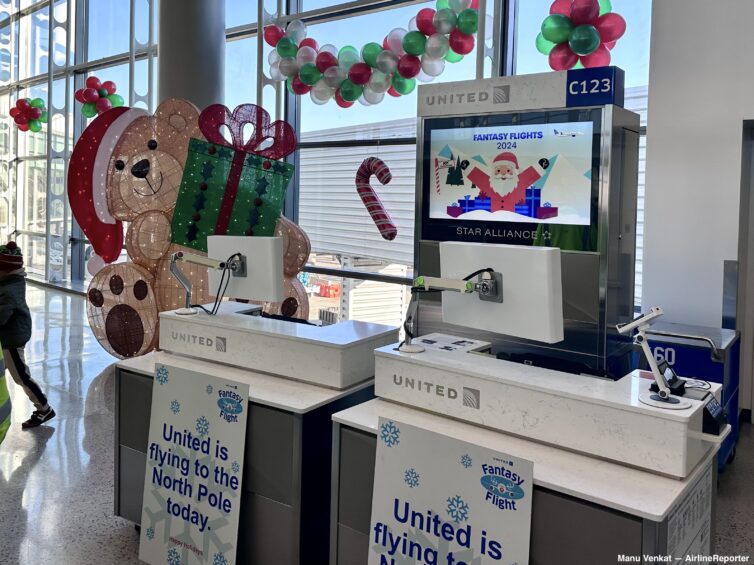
<point>16,363</point>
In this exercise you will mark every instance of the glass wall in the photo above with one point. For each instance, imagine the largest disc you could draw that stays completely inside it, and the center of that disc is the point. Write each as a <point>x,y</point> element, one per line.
<point>353,272</point>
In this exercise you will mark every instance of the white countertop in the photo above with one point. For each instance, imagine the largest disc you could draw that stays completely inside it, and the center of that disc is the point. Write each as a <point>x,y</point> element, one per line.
<point>277,392</point>
<point>626,489</point>
<point>622,394</point>
<point>340,335</point>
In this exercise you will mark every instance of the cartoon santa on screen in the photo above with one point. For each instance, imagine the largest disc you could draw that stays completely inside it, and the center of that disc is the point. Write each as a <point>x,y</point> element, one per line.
<point>508,184</point>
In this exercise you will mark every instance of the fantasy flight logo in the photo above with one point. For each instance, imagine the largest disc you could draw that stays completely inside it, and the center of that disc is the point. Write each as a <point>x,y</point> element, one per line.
<point>230,404</point>
<point>503,487</point>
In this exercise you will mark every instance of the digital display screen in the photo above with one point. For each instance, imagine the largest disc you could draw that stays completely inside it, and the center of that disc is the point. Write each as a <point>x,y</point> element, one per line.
<point>525,173</point>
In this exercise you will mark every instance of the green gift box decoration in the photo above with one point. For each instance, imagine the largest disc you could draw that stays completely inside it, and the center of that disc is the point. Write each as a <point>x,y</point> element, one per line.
<point>237,188</point>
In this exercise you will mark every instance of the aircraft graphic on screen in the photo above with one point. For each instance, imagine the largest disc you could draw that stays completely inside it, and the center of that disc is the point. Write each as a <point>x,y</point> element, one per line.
<point>568,133</point>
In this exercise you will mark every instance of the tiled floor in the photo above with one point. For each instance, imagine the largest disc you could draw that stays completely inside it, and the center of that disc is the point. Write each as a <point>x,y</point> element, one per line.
<point>56,482</point>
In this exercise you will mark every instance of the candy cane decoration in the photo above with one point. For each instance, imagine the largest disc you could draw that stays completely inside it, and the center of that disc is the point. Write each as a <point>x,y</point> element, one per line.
<point>376,167</point>
<point>437,175</point>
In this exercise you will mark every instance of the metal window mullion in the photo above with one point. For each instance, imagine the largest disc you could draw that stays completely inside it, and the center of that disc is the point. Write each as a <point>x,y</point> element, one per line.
<point>131,52</point>
<point>150,59</point>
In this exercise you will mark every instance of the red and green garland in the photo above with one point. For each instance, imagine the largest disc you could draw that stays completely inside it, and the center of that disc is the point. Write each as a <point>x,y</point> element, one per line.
<point>347,74</point>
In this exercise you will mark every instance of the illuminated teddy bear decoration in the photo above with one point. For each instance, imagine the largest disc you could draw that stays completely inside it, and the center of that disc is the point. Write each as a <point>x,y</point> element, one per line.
<point>127,167</point>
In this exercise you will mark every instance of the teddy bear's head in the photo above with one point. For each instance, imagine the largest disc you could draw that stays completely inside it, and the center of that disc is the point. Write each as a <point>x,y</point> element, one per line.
<point>146,165</point>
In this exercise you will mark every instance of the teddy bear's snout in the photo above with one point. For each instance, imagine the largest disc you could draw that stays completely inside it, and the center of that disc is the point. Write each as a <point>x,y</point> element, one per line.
<point>141,169</point>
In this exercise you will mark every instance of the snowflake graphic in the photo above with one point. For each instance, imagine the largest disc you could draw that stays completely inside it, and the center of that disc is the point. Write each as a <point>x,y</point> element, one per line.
<point>466,460</point>
<point>390,434</point>
<point>150,533</point>
<point>161,374</point>
<point>219,559</point>
<point>173,557</point>
<point>202,426</point>
<point>175,406</point>
<point>209,389</point>
<point>235,466</point>
<point>458,510</point>
<point>411,478</point>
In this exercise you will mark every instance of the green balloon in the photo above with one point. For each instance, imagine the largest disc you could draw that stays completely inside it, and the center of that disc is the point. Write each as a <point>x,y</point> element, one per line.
<point>309,74</point>
<point>370,52</point>
<point>442,4</point>
<point>403,85</point>
<point>468,21</point>
<point>605,7</point>
<point>557,28</point>
<point>289,84</point>
<point>453,57</point>
<point>89,109</point>
<point>286,47</point>
<point>116,100</point>
<point>35,125</point>
<point>584,40</point>
<point>37,103</point>
<point>544,46</point>
<point>43,118</point>
<point>414,43</point>
<point>350,92</point>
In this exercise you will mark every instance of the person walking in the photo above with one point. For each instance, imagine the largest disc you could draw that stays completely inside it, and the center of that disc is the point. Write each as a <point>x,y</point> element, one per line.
<point>15,331</point>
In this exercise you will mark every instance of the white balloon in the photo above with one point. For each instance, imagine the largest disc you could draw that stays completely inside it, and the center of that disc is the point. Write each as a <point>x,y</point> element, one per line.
<point>437,46</point>
<point>424,77</point>
<point>432,67</point>
<point>275,73</point>
<point>363,101</point>
<point>412,25</point>
<point>329,48</point>
<point>288,66</point>
<point>444,21</point>
<point>395,40</point>
<point>347,58</point>
<point>306,55</point>
<point>373,97</point>
<point>296,30</point>
<point>273,57</point>
<point>322,91</point>
<point>459,5</point>
<point>379,81</point>
<point>334,76</point>
<point>387,62</point>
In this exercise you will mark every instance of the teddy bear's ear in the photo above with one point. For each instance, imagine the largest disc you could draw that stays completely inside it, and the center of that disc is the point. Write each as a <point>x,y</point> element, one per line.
<point>181,114</point>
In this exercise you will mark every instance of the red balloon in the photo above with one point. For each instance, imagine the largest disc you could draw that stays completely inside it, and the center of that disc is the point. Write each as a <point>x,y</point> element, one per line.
<point>562,58</point>
<point>611,44</point>
<point>299,87</point>
<point>585,12</point>
<point>409,66</point>
<point>14,111</point>
<point>23,104</point>
<point>599,58</point>
<point>393,92</point>
<point>103,105</point>
<point>562,7</point>
<point>385,45</point>
<point>461,43</point>
<point>474,4</point>
<point>309,42</point>
<point>273,34</point>
<point>341,102</point>
<point>611,26</point>
<point>360,73</point>
<point>23,127</point>
<point>325,60</point>
<point>93,82</point>
<point>34,113</point>
<point>90,95</point>
<point>79,95</point>
<point>110,87</point>
<point>424,21</point>
<point>20,119</point>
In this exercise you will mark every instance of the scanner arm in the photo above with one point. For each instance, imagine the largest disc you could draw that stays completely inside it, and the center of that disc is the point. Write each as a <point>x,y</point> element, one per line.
<point>237,265</point>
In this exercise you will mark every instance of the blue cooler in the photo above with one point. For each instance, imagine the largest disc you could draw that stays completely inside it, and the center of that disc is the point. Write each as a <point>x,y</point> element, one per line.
<point>693,359</point>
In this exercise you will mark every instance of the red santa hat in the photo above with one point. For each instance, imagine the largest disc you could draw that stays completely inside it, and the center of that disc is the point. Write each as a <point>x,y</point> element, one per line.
<point>87,183</point>
<point>507,158</point>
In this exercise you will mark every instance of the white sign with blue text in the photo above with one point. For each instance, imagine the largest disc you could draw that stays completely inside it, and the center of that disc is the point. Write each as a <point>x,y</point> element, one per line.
<point>192,486</point>
<point>441,501</point>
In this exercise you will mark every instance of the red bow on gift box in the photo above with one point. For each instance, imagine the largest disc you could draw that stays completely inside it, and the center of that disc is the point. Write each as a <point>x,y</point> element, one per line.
<point>271,140</point>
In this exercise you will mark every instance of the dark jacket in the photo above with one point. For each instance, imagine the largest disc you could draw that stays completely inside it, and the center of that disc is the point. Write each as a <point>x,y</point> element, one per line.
<point>15,319</point>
